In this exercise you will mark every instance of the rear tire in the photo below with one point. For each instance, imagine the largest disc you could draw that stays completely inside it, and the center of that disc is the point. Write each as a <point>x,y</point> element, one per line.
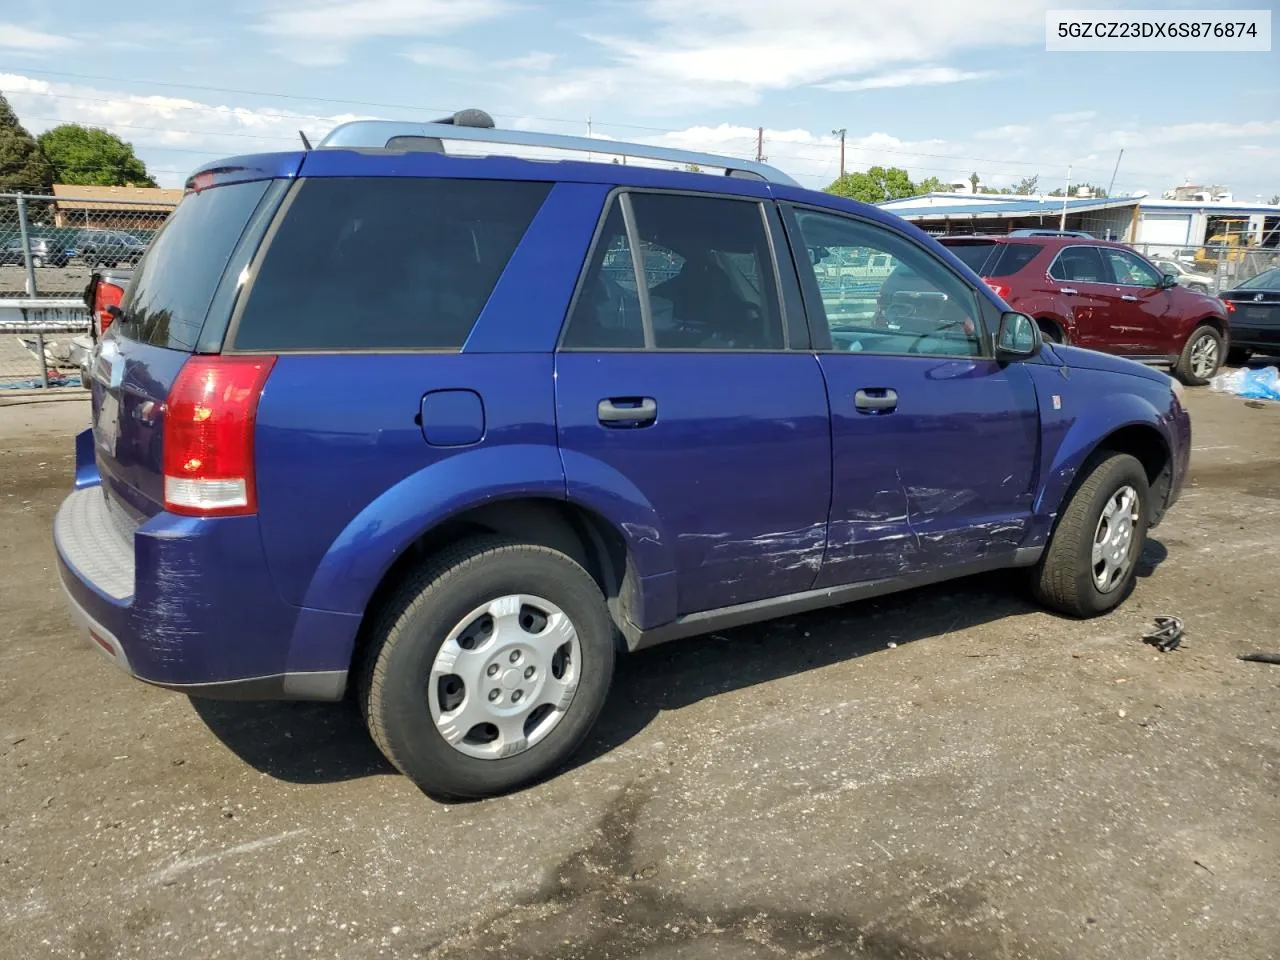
<point>1238,356</point>
<point>441,660</point>
<point>1087,547</point>
<point>1201,357</point>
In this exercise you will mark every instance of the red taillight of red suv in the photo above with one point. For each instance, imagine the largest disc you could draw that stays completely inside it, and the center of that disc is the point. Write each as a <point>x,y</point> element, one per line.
<point>105,295</point>
<point>208,436</point>
<point>1002,290</point>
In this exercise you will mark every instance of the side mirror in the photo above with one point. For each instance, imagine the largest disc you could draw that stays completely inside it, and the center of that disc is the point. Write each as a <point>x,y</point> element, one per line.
<point>1168,280</point>
<point>1018,338</point>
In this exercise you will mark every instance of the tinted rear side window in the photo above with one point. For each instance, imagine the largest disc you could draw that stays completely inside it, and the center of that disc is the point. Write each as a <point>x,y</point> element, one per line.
<point>385,262</point>
<point>974,255</point>
<point>1012,258</point>
<point>995,259</point>
<point>174,285</point>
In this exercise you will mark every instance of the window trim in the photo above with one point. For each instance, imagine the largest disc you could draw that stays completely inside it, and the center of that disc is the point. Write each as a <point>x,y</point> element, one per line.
<point>622,195</point>
<point>1141,259</point>
<point>820,331</point>
<point>1079,246</point>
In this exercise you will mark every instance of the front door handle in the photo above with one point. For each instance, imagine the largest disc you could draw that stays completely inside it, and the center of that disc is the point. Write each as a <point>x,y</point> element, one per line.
<point>1069,291</point>
<point>627,411</point>
<point>876,400</point>
<point>1129,298</point>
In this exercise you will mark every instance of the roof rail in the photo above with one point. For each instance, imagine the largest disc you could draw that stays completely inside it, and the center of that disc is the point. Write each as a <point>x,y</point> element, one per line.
<point>469,125</point>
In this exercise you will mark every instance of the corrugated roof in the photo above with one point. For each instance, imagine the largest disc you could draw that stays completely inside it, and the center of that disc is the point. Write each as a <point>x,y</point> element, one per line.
<point>938,207</point>
<point>78,197</point>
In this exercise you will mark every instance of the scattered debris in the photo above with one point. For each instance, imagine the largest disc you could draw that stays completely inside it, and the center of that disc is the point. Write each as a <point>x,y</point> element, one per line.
<point>1167,635</point>
<point>1202,866</point>
<point>1261,384</point>
<point>1261,657</point>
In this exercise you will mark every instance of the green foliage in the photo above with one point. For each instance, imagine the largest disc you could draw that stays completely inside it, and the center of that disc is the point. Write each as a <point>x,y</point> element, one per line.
<point>1023,186</point>
<point>875,185</point>
<point>1275,199</point>
<point>86,155</point>
<point>23,168</point>
<point>1094,191</point>
<point>932,185</point>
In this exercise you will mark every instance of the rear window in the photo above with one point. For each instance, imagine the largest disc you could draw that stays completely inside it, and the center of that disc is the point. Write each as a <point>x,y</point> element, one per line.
<point>173,287</point>
<point>384,262</point>
<point>995,259</point>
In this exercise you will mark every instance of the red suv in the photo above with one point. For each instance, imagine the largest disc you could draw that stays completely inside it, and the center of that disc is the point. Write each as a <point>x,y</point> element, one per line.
<point>1102,296</point>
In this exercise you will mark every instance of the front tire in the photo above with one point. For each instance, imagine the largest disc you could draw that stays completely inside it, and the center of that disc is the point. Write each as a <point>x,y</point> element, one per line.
<point>488,667</point>
<point>1201,357</point>
<point>1091,561</point>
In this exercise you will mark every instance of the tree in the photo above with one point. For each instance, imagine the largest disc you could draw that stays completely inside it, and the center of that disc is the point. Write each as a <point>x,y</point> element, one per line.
<point>87,155</point>
<point>1024,186</point>
<point>1275,200</point>
<point>1076,187</point>
<point>23,168</point>
<point>875,185</point>
<point>974,179</point>
<point>932,185</point>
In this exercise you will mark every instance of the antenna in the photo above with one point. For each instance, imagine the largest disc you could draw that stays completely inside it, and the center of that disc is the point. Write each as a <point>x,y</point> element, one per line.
<point>306,144</point>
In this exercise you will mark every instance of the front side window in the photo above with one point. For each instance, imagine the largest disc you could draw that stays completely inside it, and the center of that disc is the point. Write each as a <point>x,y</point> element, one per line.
<point>1131,270</point>
<point>881,293</point>
<point>1080,265</point>
<point>708,278</point>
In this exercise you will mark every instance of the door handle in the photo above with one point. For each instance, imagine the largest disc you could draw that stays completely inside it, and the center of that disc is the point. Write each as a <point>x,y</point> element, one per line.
<point>876,400</point>
<point>627,411</point>
<point>1129,298</point>
<point>1069,291</point>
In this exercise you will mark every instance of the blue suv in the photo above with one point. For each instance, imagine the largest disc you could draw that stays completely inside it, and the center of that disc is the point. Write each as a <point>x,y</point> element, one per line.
<point>450,432</point>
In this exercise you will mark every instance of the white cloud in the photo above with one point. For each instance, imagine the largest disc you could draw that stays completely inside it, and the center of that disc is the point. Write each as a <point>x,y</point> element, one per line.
<point>912,77</point>
<point>688,53</point>
<point>173,135</point>
<point>14,37</point>
<point>318,33</point>
<point>1078,116</point>
<point>537,61</point>
<point>443,57</point>
<point>1010,131</point>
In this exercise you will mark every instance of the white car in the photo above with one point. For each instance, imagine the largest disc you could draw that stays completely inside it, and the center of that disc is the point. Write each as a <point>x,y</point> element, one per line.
<point>1191,279</point>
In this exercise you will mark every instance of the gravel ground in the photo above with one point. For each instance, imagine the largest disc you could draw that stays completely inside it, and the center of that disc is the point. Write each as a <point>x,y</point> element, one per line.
<point>1002,783</point>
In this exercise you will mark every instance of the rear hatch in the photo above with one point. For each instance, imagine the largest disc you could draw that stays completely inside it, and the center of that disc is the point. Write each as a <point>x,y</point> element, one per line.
<point>1249,306</point>
<point>188,276</point>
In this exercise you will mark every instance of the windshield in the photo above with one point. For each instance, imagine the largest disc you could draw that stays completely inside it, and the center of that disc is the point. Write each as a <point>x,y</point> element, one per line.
<point>1267,280</point>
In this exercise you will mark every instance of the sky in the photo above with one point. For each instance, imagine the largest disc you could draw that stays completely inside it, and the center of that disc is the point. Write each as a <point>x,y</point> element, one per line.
<point>940,87</point>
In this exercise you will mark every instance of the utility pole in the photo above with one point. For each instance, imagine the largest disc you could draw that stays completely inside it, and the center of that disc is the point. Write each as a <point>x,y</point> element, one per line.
<point>1111,185</point>
<point>760,158</point>
<point>1062,221</point>
<point>840,133</point>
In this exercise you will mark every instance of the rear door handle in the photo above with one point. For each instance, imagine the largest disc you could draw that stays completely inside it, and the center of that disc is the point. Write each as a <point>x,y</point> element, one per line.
<point>1069,291</point>
<point>1129,298</point>
<point>627,411</point>
<point>876,400</point>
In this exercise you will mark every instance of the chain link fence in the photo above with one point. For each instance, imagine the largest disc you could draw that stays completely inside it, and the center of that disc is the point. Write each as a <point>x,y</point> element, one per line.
<point>49,248</point>
<point>1211,268</point>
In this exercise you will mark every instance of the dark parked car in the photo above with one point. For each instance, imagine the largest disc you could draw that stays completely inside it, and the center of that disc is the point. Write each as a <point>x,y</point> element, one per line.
<point>1254,308</point>
<point>1104,296</point>
<point>451,433</point>
<point>45,252</point>
<point>109,248</point>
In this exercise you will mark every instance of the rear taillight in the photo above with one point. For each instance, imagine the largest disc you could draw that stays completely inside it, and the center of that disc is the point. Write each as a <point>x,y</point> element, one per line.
<point>1001,290</point>
<point>208,436</point>
<point>1231,307</point>
<point>106,294</point>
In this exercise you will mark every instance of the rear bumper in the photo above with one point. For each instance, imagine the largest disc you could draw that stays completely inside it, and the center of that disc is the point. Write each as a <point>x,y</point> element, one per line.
<point>188,605</point>
<point>1260,338</point>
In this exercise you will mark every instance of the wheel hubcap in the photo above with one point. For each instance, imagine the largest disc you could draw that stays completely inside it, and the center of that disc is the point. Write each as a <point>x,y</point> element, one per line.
<point>1113,541</point>
<point>1204,357</point>
<point>505,676</point>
